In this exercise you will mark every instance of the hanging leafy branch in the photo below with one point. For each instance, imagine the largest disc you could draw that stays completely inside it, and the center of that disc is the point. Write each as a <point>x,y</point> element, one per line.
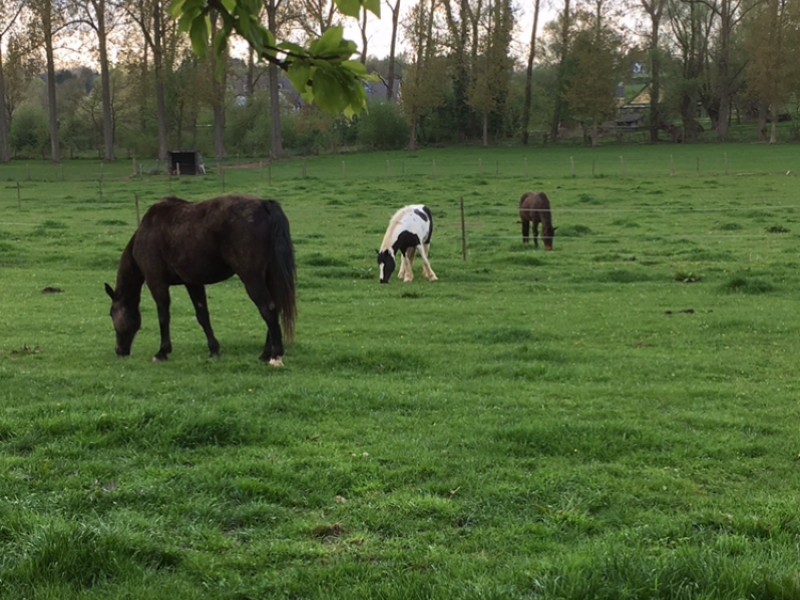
<point>322,73</point>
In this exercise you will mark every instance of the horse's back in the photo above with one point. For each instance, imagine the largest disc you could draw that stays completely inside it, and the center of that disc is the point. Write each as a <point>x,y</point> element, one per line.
<point>415,219</point>
<point>208,241</point>
<point>534,201</point>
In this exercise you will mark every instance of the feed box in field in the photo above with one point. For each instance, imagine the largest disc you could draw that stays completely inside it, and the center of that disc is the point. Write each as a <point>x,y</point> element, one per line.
<point>186,163</point>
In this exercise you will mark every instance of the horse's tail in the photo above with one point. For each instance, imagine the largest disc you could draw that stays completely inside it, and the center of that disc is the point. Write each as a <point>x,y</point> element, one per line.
<point>281,270</point>
<point>428,213</point>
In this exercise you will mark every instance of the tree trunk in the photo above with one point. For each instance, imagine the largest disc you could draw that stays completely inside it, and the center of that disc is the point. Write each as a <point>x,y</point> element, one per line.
<point>218,100</point>
<point>412,136</point>
<point>392,49</point>
<point>158,66</point>
<point>559,101</point>
<point>273,76</point>
<point>47,26</point>
<point>723,69</point>
<point>105,81</point>
<point>5,154</point>
<point>526,111</point>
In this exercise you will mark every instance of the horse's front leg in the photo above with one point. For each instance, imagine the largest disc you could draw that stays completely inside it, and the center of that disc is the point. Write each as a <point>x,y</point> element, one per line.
<point>259,294</point>
<point>198,295</point>
<point>161,296</point>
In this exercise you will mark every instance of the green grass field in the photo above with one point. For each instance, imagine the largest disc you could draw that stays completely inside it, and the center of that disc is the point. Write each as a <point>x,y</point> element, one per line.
<point>614,419</point>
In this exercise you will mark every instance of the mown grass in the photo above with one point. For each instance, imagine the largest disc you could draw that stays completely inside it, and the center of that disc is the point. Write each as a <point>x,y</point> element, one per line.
<point>614,419</point>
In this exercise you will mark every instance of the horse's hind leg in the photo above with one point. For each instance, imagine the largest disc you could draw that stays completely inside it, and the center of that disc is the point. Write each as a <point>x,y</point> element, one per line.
<point>526,227</point>
<point>426,265</point>
<point>198,295</point>
<point>261,297</point>
<point>535,233</point>
<point>408,258</point>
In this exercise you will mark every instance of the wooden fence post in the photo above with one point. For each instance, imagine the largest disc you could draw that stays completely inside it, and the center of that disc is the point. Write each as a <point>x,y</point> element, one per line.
<point>463,233</point>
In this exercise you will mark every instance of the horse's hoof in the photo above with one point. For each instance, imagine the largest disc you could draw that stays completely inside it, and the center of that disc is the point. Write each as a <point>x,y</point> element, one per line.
<point>159,359</point>
<point>276,362</point>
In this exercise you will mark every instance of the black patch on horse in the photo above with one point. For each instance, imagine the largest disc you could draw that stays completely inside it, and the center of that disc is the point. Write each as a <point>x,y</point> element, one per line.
<point>421,214</point>
<point>405,240</point>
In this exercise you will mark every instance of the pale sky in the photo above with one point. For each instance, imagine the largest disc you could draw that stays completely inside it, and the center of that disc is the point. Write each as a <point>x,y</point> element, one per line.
<point>379,30</point>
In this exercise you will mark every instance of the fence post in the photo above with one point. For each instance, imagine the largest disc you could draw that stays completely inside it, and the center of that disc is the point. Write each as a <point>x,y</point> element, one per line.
<point>136,203</point>
<point>463,233</point>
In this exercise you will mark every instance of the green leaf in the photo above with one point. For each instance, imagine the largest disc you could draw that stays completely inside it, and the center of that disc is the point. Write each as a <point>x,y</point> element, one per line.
<point>352,8</point>
<point>199,33</point>
<point>330,43</point>
<point>299,74</point>
<point>373,6</point>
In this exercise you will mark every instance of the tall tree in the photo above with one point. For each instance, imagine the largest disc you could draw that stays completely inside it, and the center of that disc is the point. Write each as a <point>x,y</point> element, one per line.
<point>772,38</point>
<point>156,28</point>
<point>462,24</point>
<point>9,12</point>
<point>362,27</point>
<point>691,23</point>
<point>273,8</point>
<point>596,65</point>
<point>219,64</point>
<point>655,11</point>
<point>49,21</point>
<point>95,15</point>
<point>729,13</point>
<point>424,79</point>
<point>395,10</point>
<point>492,68</point>
<point>562,49</point>
<point>526,110</point>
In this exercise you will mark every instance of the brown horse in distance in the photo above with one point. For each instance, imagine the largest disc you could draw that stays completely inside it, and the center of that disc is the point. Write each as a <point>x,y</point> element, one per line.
<point>194,244</point>
<point>534,207</point>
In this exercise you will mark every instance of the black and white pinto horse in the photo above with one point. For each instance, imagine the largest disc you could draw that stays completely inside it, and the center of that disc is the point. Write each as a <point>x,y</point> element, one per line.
<point>409,231</point>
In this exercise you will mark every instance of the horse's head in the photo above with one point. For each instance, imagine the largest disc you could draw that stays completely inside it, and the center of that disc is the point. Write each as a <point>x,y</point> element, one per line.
<point>548,231</point>
<point>126,318</point>
<point>386,265</point>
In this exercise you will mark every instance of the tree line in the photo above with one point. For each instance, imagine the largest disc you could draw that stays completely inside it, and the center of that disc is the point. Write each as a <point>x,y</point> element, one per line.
<point>173,76</point>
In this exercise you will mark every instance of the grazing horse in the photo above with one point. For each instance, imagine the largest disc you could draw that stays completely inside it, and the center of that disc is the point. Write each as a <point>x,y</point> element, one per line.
<point>193,244</point>
<point>534,207</point>
<point>409,230</point>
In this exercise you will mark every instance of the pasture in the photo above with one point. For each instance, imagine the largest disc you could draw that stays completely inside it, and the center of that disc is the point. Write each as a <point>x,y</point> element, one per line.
<point>617,418</point>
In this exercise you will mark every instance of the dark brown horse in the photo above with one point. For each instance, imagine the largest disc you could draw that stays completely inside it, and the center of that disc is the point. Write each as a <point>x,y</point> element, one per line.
<point>193,244</point>
<point>534,207</point>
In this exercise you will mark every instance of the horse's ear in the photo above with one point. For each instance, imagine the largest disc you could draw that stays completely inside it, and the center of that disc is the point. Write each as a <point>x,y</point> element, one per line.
<point>110,291</point>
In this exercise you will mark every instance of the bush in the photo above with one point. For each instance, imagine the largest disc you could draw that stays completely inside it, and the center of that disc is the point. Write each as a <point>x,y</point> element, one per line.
<point>28,134</point>
<point>384,127</point>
